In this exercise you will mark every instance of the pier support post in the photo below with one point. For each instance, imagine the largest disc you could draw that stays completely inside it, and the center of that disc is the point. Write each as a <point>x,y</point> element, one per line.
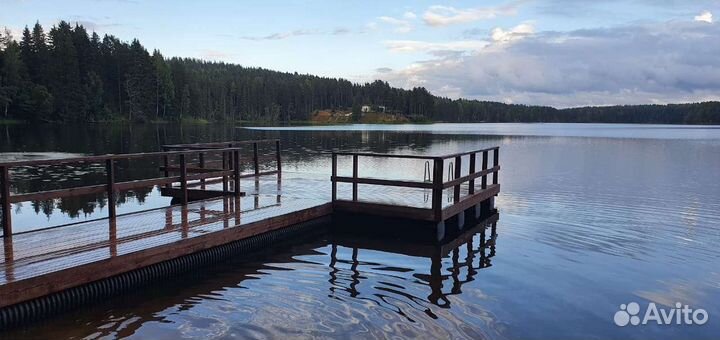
<point>483,183</point>
<point>278,160</point>
<point>236,171</point>
<point>458,168</point>
<point>256,161</point>
<point>110,173</point>
<point>166,164</point>
<point>5,201</point>
<point>471,186</point>
<point>355,176</point>
<point>183,180</point>
<point>496,162</point>
<point>334,174</point>
<point>201,165</point>
<point>437,188</point>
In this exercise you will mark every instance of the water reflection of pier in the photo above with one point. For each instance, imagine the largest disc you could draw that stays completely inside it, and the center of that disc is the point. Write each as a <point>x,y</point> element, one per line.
<point>478,244</point>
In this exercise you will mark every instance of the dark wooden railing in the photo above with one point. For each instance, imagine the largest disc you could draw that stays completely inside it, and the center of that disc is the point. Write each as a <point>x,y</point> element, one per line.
<point>231,144</point>
<point>111,186</point>
<point>437,184</point>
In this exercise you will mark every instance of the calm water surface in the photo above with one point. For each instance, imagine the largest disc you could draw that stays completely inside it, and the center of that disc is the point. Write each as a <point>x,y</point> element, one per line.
<point>591,217</point>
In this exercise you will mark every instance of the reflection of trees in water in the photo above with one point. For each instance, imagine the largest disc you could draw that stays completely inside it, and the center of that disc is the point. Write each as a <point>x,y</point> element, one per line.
<point>75,206</point>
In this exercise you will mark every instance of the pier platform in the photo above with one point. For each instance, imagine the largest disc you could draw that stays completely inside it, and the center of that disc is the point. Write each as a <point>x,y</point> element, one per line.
<point>218,203</point>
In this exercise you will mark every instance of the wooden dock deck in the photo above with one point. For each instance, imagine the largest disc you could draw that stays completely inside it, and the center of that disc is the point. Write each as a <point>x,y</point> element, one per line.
<point>234,206</point>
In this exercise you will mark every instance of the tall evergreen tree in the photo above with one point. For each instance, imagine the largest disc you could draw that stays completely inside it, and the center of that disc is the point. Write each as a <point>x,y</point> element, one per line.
<point>140,84</point>
<point>164,87</point>
<point>70,101</point>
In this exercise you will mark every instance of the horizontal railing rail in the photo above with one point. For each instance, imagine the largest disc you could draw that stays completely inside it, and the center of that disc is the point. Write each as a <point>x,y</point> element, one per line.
<point>256,158</point>
<point>210,145</point>
<point>434,182</point>
<point>111,187</point>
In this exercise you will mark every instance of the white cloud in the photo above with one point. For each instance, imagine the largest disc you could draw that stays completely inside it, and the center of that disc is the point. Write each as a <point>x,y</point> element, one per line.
<point>655,63</point>
<point>414,46</point>
<point>444,15</point>
<point>515,33</point>
<point>705,16</point>
<point>298,33</point>
<point>215,55</point>
<point>401,26</point>
<point>409,15</point>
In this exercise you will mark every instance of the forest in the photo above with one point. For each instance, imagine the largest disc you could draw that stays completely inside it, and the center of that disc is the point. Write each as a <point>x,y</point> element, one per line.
<point>70,75</point>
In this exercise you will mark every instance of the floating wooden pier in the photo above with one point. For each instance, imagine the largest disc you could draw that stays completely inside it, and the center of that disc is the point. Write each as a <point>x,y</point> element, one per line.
<point>227,193</point>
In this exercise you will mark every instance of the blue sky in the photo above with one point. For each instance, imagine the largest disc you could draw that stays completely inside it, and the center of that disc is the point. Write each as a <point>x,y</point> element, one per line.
<point>454,48</point>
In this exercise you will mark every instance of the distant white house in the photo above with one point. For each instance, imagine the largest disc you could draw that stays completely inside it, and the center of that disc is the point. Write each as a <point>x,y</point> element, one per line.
<point>365,108</point>
<point>381,108</point>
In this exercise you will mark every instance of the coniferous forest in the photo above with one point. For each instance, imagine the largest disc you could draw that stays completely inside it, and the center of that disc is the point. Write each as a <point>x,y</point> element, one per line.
<point>66,74</point>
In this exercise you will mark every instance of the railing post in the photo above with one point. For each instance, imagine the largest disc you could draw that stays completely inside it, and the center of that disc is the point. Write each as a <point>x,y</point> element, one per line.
<point>110,186</point>
<point>471,186</point>
<point>166,163</point>
<point>201,164</point>
<point>230,159</point>
<point>183,180</point>
<point>256,162</point>
<point>355,177</point>
<point>437,188</point>
<point>496,162</point>
<point>484,167</point>
<point>236,171</point>
<point>5,201</point>
<point>278,159</point>
<point>225,166</point>
<point>334,174</point>
<point>458,168</point>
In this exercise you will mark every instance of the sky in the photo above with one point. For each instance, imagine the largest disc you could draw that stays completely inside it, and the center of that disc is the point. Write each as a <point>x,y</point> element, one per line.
<point>560,53</point>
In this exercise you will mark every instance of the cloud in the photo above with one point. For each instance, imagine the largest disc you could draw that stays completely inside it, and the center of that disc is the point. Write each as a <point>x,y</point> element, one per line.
<point>705,16</point>
<point>409,15</point>
<point>415,46</point>
<point>444,15</point>
<point>383,70</point>
<point>341,31</point>
<point>215,55</point>
<point>516,33</point>
<point>652,63</point>
<point>282,35</point>
<point>401,25</point>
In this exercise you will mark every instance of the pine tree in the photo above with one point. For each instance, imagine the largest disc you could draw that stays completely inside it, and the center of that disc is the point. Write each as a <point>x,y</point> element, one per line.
<point>65,85</point>
<point>11,75</point>
<point>140,85</point>
<point>164,87</point>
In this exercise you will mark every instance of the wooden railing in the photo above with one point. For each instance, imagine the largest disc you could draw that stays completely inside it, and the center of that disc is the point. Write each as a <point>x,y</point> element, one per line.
<point>436,183</point>
<point>218,145</point>
<point>111,186</point>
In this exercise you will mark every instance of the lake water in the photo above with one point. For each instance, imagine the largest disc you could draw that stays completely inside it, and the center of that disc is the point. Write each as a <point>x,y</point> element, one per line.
<point>591,217</point>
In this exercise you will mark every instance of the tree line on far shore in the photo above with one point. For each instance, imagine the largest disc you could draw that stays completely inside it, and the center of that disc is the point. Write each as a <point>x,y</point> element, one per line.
<point>69,75</point>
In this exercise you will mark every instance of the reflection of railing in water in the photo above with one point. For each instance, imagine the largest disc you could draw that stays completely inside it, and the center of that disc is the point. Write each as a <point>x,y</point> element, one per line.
<point>436,213</point>
<point>477,256</point>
